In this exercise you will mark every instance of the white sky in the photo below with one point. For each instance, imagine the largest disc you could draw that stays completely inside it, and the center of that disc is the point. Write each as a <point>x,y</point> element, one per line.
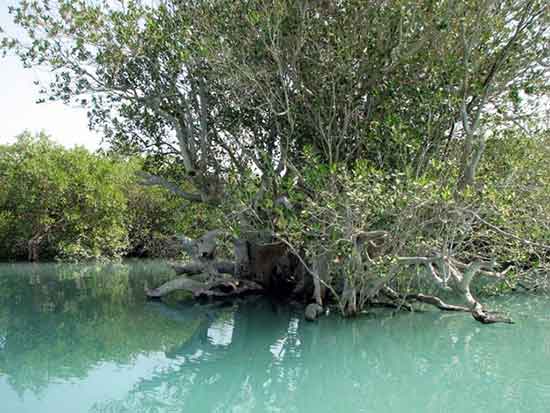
<point>18,110</point>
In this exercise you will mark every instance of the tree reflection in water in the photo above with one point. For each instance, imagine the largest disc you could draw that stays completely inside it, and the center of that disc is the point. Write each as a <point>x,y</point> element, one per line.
<point>61,324</point>
<point>58,321</point>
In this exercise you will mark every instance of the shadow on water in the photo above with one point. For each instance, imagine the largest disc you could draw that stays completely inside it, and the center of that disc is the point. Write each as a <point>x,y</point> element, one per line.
<point>61,326</point>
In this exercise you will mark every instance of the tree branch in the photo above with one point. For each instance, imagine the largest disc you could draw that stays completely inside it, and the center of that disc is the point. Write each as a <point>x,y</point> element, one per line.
<point>154,180</point>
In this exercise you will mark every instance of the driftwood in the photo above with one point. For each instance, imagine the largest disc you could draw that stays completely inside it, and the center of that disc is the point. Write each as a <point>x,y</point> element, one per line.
<point>220,288</point>
<point>258,268</point>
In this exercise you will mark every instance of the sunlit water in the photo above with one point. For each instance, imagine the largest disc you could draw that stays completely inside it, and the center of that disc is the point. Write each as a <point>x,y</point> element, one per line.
<point>79,338</point>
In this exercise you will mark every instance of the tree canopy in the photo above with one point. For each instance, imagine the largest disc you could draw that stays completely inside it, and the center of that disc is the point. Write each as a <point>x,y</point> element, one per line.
<point>230,87</point>
<point>354,132</point>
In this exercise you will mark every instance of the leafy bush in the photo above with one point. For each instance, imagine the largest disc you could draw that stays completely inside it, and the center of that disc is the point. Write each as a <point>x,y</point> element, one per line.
<point>60,203</point>
<point>70,204</point>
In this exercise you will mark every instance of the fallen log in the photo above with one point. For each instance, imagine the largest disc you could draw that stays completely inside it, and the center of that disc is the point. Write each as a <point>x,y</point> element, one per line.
<point>226,287</point>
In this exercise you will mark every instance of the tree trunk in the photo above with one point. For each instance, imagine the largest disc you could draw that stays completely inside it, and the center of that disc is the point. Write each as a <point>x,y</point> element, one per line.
<point>267,268</point>
<point>471,159</point>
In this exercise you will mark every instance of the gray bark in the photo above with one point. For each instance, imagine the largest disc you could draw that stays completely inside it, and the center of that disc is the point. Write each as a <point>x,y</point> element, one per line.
<point>321,275</point>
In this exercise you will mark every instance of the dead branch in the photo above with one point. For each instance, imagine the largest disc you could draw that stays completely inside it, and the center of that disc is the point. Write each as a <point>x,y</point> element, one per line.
<point>437,302</point>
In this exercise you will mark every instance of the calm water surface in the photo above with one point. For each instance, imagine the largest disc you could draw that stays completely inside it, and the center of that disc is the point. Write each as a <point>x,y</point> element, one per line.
<point>82,338</point>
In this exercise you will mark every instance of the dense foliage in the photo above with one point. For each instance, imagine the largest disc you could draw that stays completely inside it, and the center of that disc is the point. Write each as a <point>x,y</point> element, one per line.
<point>71,204</point>
<point>374,139</point>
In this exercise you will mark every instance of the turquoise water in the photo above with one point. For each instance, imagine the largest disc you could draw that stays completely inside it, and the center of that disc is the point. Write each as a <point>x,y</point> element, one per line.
<point>81,338</point>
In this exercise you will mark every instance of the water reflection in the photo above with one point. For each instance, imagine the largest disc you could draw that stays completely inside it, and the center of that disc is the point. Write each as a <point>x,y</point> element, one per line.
<point>84,339</point>
<point>235,362</point>
<point>59,321</point>
<point>274,362</point>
